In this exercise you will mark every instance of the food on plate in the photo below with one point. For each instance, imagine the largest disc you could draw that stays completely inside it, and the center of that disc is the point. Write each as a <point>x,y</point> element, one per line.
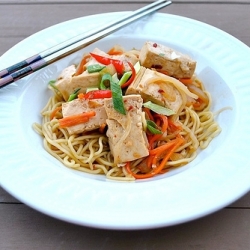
<point>128,114</point>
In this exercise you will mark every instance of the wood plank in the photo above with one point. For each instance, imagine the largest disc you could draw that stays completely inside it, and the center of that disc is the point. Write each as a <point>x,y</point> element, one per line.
<point>33,19</point>
<point>6,197</point>
<point>24,228</point>
<point>243,202</point>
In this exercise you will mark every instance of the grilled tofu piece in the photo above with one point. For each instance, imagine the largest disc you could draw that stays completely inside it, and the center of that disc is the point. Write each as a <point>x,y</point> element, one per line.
<point>162,58</point>
<point>152,87</point>
<point>78,106</point>
<point>67,83</point>
<point>127,139</point>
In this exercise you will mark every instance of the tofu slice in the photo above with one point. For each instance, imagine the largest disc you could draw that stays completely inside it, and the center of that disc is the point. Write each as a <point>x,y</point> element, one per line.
<point>152,87</point>
<point>67,83</point>
<point>176,64</point>
<point>127,138</point>
<point>78,106</point>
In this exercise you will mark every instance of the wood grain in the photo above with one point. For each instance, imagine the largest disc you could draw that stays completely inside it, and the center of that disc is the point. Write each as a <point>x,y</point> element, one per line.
<point>27,229</point>
<point>39,16</point>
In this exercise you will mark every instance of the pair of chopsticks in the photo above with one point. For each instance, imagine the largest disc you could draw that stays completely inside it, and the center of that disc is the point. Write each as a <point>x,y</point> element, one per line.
<point>55,53</point>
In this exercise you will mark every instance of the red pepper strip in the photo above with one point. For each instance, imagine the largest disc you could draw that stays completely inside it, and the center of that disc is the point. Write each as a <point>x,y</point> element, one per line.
<point>106,61</point>
<point>132,77</point>
<point>96,94</point>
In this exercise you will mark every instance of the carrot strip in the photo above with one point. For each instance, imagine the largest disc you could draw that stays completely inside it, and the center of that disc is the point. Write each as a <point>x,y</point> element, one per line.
<point>148,113</point>
<point>102,128</point>
<point>76,119</point>
<point>164,127</point>
<point>80,67</point>
<point>173,145</point>
<point>186,81</point>
<point>162,148</point>
<point>81,96</point>
<point>173,127</point>
<point>115,51</point>
<point>53,113</point>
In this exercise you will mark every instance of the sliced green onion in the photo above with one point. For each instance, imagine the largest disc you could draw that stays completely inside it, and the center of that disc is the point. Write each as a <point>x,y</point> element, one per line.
<point>153,128</point>
<point>73,95</point>
<point>125,77</point>
<point>117,98</point>
<point>106,78</point>
<point>95,68</point>
<point>52,84</point>
<point>158,109</point>
<point>115,78</point>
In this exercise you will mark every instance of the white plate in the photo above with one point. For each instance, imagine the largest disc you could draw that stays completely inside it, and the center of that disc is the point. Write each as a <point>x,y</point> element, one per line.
<point>217,177</point>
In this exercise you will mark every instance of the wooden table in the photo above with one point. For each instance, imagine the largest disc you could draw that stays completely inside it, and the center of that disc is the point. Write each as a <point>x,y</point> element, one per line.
<point>24,228</point>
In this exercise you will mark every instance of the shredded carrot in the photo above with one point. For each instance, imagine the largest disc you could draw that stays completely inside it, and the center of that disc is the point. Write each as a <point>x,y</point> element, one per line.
<point>172,146</point>
<point>81,96</point>
<point>116,50</point>
<point>148,113</point>
<point>80,67</point>
<point>102,128</point>
<point>162,148</point>
<point>186,81</point>
<point>163,126</point>
<point>174,127</point>
<point>53,113</point>
<point>76,119</point>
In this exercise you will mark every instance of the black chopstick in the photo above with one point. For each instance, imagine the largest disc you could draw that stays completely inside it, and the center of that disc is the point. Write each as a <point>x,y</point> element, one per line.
<point>55,53</point>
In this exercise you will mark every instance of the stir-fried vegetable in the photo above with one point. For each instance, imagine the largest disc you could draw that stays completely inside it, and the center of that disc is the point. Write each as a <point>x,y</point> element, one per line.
<point>53,113</point>
<point>96,94</point>
<point>76,119</point>
<point>158,158</point>
<point>158,109</point>
<point>74,95</point>
<point>153,128</point>
<point>95,68</point>
<point>117,98</point>
<point>125,78</point>
<point>105,82</point>
<point>131,79</point>
<point>119,66</point>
